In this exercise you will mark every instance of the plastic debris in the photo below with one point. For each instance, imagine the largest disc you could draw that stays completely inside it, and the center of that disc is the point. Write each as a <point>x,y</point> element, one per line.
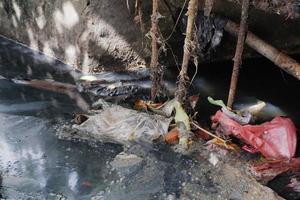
<point>242,117</point>
<point>256,108</point>
<point>172,136</point>
<point>120,125</point>
<point>268,169</point>
<point>276,139</point>
<point>167,109</point>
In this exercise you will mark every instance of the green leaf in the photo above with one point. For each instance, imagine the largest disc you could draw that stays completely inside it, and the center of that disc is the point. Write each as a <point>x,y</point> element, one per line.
<point>216,102</point>
<point>181,116</point>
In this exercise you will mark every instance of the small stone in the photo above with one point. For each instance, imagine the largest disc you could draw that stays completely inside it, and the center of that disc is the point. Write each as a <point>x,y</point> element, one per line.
<point>127,164</point>
<point>213,159</point>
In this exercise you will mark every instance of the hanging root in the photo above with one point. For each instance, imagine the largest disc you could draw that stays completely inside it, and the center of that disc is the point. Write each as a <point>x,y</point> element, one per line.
<point>238,52</point>
<point>139,16</point>
<point>208,5</point>
<point>183,78</point>
<point>155,68</point>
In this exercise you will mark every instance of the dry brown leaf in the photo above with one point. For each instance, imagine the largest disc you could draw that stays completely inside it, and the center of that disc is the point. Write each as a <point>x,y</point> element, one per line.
<point>140,104</point>
<point>228,145</point>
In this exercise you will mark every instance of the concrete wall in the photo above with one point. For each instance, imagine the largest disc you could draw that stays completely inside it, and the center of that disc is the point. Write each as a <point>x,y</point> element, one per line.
<point>84,33</point>
<point>92,34</point>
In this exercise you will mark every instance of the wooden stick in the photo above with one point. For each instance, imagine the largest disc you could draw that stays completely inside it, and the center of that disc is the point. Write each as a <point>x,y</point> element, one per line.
<point>279,58</point>
<point>183,77</point>
<point>238,53</point>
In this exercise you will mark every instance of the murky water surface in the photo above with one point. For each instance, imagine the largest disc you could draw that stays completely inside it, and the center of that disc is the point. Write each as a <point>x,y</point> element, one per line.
<point>36,165</point>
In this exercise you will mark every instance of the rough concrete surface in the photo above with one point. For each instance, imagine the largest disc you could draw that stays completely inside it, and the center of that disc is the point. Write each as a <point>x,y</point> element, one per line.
<point>84,33</point>
<point>93,34</point>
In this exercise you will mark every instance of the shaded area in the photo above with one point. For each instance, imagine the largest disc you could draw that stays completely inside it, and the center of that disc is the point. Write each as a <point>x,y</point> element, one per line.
<point>84,34</point>
<point>20,61</point>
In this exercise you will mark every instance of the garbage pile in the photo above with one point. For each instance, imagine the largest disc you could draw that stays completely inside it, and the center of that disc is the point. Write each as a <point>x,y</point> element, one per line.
<point>168,122</point>
<point>276,140</point>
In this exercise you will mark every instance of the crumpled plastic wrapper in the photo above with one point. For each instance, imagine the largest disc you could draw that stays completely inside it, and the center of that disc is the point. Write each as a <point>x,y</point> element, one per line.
<point>276,139</point>
<point>117,124</point>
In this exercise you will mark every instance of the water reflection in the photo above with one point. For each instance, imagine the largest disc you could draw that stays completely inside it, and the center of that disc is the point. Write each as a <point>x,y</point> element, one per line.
<point>34,161</point>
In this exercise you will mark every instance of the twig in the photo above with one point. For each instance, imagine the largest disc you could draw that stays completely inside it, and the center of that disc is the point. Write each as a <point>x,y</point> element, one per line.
<point>238,52</point>
<point>209,133</point>
<point>183,77</point>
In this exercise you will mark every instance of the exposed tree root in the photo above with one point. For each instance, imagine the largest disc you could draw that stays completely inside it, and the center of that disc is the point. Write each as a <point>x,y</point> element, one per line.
<point>238,52</point>
<point>155,68</point>
<point>183,79</point>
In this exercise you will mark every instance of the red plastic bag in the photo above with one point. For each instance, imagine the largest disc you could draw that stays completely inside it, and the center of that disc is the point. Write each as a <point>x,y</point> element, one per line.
<point>276,139</point>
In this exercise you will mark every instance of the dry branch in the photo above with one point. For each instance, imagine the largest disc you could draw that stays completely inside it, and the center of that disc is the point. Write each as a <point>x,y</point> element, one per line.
<point>183,77</point>
<point>238,52</point>
<point>279,58</point>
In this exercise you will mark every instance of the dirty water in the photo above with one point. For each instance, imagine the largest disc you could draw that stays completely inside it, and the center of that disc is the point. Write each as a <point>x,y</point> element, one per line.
<point>35,164</point>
